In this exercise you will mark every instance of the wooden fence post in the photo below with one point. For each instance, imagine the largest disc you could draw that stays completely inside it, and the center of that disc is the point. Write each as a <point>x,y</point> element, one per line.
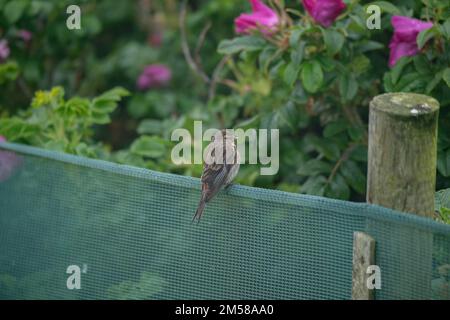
<point>402,175</point>
<point>363,257</point>
<point>402,152</point>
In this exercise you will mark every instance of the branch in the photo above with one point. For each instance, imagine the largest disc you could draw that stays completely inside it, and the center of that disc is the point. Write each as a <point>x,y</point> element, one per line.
<point>185,47</point>
<point>215,77</point>
<point>343,157</point>
<point>201,40</point>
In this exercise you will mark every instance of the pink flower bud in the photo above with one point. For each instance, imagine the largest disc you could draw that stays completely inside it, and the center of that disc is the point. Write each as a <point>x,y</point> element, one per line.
<point>262,18</point>
<point>4,50</point>
<point>324,12</point>
<point>154,75</point>
<point>25,35</point>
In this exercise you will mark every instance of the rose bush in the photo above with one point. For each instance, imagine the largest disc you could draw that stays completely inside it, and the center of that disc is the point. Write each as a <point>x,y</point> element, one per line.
<point>314,77</point>
<point>308,68</point>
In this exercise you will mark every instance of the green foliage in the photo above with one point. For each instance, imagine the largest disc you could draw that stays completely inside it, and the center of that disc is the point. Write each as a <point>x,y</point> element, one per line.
<point>247,43</point>
<point>328,77</point>
<point>442,204</point>
<point>310,82</point>
<point>62,125</point>
<point>8,72</point>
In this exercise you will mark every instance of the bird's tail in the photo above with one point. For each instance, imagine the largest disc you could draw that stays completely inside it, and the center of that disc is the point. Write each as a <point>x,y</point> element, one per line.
<point>199,212</point>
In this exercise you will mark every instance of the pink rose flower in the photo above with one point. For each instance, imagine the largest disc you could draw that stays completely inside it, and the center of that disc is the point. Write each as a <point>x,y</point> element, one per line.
<point>262,17</point>
<point>324,12</point>
<point>154,75</point>
<point>403,43</point>
<point>4,50</point>
<point>25,35</point>
<point>9,161</point>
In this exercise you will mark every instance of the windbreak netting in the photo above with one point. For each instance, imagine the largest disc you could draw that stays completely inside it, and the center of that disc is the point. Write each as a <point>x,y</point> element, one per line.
<point>128,232</point>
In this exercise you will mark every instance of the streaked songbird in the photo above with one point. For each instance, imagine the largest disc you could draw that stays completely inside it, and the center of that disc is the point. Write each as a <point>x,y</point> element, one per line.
<point>220,168</point>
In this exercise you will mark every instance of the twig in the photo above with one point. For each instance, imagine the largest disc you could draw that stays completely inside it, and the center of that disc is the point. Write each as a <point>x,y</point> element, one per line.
<point>185,47</point>
<point>343,157</point>
<point>201,40</point>
<point>215,77</point>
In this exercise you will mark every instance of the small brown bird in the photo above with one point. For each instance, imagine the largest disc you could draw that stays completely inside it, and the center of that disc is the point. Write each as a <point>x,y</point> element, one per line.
<point>219,169</point>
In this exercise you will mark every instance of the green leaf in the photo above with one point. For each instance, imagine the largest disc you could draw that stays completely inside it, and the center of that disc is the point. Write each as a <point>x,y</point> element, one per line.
<point>338,188</point>
<point>334,40</point>
<point>369,45</point>
<point>327,148</point>
<point>387,82</point>
<point>314,185</point>
<point>149,146</point>
<point>360,64</point>
<point>443,163</point>
<point>247,43</point>
<point>348,86</point>
<point>266,57</point>
<point>422,64</point>
<point>445,29</point>
<point>409,82</point>
<point>294,38</point>
<point>424,36</point>
<point>14,9</point>
<point>100,118</point>
<point>114,94</point>
<point>104,106</point>
<point>312,76</point>
<point>354,176</point>
<point>270,121</point>
<point>8,72</point>
<point>107,102</point>
<point>150,126</point>
<point>314,167</point>
<point>55,145</point>
<point>359,154</point>
<point>297,54</point>
<point>249,123</point>
<point>15,129</point>
<point>82,149</point>
<point>398,68</point>
<point>446,76</point>
<point>291,74</point>
<point>289,115</point>
<point>386,7</point>
<point>74,107</point>
<point>334,128</point>
<point>359,20</point>
<point>288,187</point>
<point>355,133</point>
<point>433,83</point>
<point>327,63</point>
<point>442,199</point>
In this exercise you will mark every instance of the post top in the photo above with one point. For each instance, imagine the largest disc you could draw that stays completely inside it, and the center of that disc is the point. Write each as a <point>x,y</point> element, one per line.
<point>405,104</point>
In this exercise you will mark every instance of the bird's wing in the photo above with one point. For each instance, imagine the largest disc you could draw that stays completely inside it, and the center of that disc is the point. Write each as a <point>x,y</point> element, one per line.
<point>213,178</point>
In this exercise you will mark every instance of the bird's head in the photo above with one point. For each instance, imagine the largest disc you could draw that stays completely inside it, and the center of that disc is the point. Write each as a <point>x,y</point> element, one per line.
<point>226,135</point>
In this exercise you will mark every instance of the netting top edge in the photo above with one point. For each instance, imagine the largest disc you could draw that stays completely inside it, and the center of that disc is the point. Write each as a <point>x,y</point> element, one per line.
<point>277,196</point>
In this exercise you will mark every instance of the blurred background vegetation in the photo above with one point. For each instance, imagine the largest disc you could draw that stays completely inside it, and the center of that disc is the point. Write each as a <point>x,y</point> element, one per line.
<point>77,90</point>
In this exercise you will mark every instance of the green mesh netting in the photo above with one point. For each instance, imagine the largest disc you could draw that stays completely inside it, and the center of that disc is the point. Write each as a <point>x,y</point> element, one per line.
<point>130,232</point>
